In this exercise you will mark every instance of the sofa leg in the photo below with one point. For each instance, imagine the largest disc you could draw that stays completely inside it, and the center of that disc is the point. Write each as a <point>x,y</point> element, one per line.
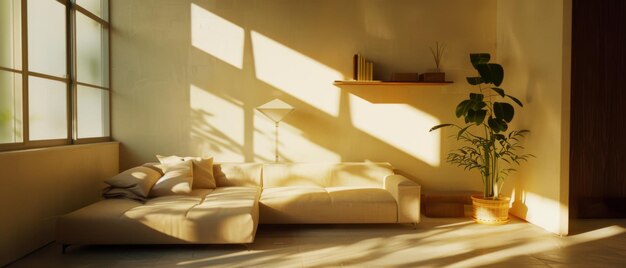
<point>414,225</point>
<point>64,248</point>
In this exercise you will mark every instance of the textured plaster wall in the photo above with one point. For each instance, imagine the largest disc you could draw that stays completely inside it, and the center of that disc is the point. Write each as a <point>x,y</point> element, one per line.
<point>534,41</point>
<point>187,75</point>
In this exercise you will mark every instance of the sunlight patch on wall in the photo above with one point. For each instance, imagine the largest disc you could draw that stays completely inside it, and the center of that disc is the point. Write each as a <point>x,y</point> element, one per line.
<point>217,126</point>
<point>293,145</point>
<point>296,74</point>
<point>400,126</point>
<point>542,212</point>
<point>217,36</point>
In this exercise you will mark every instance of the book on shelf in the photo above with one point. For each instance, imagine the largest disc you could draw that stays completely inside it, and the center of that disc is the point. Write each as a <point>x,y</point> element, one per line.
<point>355,67</point>
<point>363,70</point>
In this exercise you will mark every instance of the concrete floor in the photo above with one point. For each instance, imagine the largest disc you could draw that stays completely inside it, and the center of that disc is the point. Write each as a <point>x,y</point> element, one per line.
<point>448,242</point>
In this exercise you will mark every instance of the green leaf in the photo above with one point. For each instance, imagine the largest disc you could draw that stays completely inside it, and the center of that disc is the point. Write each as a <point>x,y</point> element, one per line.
<point>499,90</point>
<point>498,136</point>
<point>462,131</point>
<point>497,125</point>
<point>516,100</point>
<point>477,117</point>
<point>493,124</point>
<point>476,96</point>
<point>485,73</point>
<point>461,109</point>
<point>470,116</point>
<point>479,58</point>
<point>503,126</point>
<point>497,73</point>
<point>439,126</point>
<point>478,105</point>
<point>490,73</point>
<point>474,80</point>
<point>504,111</point>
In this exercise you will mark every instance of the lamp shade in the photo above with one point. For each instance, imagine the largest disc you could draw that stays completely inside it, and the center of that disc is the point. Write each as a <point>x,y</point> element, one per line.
<point>276,110</point>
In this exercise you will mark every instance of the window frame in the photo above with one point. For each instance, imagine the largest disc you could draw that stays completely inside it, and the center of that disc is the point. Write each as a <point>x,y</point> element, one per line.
<point>71,7</point>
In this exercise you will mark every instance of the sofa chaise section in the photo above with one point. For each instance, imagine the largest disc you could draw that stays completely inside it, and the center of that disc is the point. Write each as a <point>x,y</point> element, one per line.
<point>225,215</point>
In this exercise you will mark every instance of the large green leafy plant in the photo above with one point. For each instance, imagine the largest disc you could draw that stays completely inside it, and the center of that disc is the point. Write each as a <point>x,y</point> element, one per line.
<point>488,144</point>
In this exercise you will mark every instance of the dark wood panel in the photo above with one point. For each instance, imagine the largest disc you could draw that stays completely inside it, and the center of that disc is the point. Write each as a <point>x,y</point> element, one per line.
<point>598,107</point>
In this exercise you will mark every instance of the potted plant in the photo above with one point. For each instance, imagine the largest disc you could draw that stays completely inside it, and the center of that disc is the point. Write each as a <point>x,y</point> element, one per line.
<point>438,75</point>
<point>489,146</point>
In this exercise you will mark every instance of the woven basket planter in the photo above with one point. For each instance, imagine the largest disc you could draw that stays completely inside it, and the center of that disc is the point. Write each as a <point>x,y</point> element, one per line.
<point>490,211</point>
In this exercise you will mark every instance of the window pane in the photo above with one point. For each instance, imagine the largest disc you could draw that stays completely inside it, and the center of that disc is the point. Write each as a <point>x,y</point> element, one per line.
<point>11,34</point>
<point>46,37</point>
<point>97,7</point>
<point>92,53</point>
<point>10,107</point>
<point>47,109</point>
<point>93,112</point>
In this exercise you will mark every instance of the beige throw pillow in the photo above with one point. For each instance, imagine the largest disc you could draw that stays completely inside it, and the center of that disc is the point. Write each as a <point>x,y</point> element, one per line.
<point>202,169</point>
<point>202,172</point>
<point>156,166</point>
<point>112,192</point>
<point>178,178</point>
<point>138,180</point>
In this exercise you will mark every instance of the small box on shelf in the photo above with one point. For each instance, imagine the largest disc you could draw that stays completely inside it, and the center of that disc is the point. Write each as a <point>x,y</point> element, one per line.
<point>433,77</point>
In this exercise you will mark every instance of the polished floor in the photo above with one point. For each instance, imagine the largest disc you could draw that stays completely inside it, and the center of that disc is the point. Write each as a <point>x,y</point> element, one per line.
<point>434,243</point>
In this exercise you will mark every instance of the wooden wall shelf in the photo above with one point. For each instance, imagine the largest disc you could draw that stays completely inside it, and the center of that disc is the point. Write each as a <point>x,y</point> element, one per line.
<point>384,83</point>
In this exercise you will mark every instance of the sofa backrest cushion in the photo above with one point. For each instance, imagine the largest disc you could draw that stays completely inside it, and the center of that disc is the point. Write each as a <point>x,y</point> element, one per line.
<point>237,174</point>
<point>364,175</point>
<point>296,174</point>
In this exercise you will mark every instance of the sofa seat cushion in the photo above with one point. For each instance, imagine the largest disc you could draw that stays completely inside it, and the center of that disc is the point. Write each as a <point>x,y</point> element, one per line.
<point>308,204</point>
<point>227,215</point>
<point>175,219</point>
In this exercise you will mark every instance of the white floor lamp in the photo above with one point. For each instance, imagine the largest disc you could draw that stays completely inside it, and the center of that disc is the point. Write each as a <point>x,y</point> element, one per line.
<point>276,110</point>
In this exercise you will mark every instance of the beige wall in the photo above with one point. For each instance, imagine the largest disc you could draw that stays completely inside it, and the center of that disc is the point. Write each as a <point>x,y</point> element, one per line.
<point>187,76</point>
<point>534,47</point>
<point>40,184</point>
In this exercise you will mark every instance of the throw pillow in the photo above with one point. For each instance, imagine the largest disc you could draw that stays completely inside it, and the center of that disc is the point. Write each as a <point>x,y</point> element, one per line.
<point>202,169</point>
<point>156,166</point>
<point>112,192</point>
<point>202,172</point>
<point>138,180</point>
<point>178,179</point>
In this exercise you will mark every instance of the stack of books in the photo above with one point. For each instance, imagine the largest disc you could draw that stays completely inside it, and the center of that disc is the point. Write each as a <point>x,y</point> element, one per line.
<point>363,69</point>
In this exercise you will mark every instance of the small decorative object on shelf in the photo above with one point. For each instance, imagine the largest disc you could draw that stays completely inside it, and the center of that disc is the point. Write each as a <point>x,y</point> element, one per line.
<point>363,69</point>
<point>437,76</point>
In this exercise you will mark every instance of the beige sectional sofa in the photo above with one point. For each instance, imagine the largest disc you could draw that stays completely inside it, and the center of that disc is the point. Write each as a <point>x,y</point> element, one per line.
<point>248,194</point>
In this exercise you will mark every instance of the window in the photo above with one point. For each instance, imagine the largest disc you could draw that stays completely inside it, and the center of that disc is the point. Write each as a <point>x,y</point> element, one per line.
<point>11,90</point>
<point>54,72</point>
